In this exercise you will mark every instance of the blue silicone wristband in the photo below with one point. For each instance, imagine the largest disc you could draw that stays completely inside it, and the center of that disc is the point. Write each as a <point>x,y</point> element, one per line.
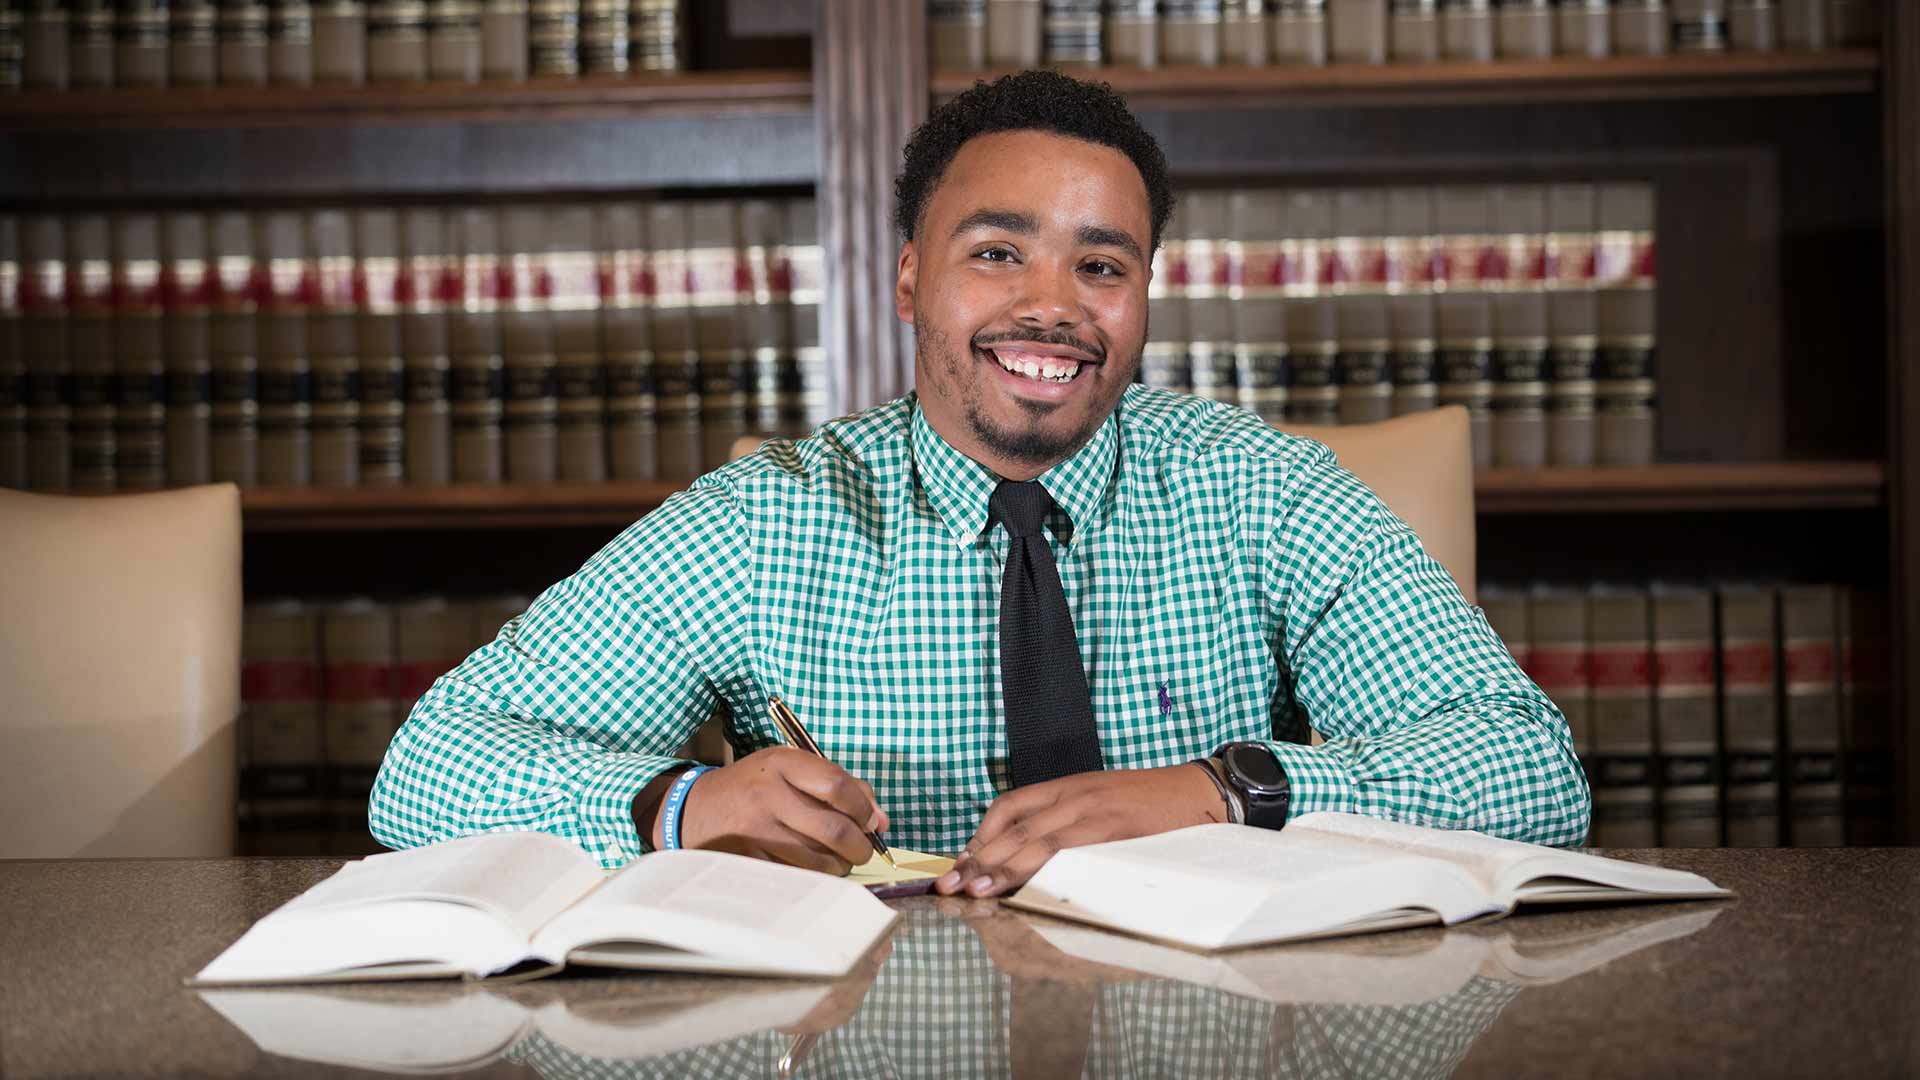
<point>676,799</point>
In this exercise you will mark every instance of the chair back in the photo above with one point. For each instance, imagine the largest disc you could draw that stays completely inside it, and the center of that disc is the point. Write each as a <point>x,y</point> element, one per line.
<point>120,655</point>
<point>1421,466</point>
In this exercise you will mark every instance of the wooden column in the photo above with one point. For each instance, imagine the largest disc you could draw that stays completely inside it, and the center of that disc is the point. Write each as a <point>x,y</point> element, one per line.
<point>1901,91</point>
<point>870,91</point>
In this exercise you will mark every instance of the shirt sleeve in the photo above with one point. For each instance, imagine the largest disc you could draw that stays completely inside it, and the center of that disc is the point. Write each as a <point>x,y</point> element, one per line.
<point>580,702</point>
<point>1426,716</point>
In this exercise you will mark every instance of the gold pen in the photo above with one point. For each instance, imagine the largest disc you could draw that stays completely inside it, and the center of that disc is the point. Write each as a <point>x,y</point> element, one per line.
<point>796,735</point>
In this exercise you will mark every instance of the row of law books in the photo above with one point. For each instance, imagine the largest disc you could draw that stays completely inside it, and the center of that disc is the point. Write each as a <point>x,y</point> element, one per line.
<point>1532,305</point>
<point>324,685</point>
<point>975,34</point>
<point>423,345</point>
<point>1743,715</point>
<point>50,45</point>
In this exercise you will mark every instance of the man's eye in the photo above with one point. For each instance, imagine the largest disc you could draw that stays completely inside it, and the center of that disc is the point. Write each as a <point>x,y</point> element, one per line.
<point>995,255</point>
<point>1102,268</point>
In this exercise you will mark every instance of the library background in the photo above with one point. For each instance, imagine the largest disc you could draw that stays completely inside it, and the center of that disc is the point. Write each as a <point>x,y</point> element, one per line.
<point>456,290</point>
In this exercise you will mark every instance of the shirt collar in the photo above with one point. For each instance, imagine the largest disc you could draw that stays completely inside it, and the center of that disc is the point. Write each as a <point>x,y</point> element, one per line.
<point>959,487</point>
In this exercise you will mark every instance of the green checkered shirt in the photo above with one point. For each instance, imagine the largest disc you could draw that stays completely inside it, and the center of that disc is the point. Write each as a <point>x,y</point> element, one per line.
<point>1227,581</point>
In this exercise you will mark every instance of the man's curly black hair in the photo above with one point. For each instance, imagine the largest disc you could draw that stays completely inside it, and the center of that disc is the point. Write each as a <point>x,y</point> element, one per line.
<point>1029,101</point>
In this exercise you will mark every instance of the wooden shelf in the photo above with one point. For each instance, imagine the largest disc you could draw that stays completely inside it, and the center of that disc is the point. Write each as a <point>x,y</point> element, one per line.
<point>1769,486</point>
<point>687,94</point>
<point>1683,487</point>
<point>1505,82</point>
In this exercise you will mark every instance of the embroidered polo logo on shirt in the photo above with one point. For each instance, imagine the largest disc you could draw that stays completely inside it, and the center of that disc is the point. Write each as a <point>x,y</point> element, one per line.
<point>1166,701</point>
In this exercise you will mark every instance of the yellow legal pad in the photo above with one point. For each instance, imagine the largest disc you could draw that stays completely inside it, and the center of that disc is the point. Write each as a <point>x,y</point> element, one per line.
<point>912,866</point>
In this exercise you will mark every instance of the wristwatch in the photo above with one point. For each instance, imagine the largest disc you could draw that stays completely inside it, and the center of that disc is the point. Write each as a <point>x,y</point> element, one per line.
<point>1254,774</point>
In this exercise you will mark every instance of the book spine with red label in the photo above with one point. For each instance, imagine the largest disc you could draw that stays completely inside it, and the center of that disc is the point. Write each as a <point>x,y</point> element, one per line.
<point>1620,686</point>
<point>1750,714</point>
<point>1559,660</point>
<point>1519,304</point>
<point>526,342</point>
<point>478,387</point>
<point>676,358</point>
<point>333,342</point>
<point>1163,361</point>
<point>239,282</point>
<point>1686,716</point>
<point>140,366</point>
<point>13,361</point>
<point>1810,662</point>
<point>430,638</point>
<point>1256,226</point>
<point>357,691</point>
<point>186,296</point>
<point>1626,395</point>
<point>286,366</point>
<point>763,230</point>
<point>1469,264</point>
<point>1309,264</point>
<point>806,262</point>
<point>43,340</point>
<point>90,344</point>
<point>1363,368</point>
<point>574,316</point>
<point>380,375</point>
<point>626,290</point>
<point>428,293</point>
<point>282,785</point>
<point>1866,738</point>
<point>718,280</point>
<point>1408,251</point>
<point>1571,324</point>
<point>1210,355</point>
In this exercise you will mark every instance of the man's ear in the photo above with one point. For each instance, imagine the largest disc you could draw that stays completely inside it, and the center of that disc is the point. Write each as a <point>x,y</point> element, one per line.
<point>905,283</point>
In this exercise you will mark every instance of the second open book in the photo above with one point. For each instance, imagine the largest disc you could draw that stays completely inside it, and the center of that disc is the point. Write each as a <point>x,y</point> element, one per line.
<point>1225,886</point>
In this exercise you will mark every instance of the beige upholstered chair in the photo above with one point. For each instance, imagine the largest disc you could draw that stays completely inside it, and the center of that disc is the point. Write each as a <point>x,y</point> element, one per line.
<point>120,658</point>
<point>1421,466</point>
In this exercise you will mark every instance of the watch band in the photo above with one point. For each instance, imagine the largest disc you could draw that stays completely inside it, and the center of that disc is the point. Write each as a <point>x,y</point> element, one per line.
<point>1236,810</point>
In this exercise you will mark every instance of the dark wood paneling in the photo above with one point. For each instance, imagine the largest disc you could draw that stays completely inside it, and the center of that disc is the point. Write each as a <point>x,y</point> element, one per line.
<point>453,562</point>
<point>1846,548</point>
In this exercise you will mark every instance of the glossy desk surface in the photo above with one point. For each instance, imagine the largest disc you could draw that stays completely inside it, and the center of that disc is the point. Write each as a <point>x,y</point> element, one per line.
<point>1813,971</point>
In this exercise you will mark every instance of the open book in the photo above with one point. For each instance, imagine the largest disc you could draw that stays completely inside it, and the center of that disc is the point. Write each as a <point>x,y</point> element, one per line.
<point>484,904</point>
<point>1398,969</point>
<point>456,1028</point>
<point>1325,874</point>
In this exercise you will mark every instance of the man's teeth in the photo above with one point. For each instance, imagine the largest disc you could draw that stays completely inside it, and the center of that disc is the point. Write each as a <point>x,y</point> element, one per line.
<point>1034,366</point>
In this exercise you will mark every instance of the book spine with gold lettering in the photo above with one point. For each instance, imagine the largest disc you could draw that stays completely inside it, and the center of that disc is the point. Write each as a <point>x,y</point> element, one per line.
<point>43,44</point>
<point>1750,714</point>
<point>477,391</point>
<point>140,361</point>
<point>13,361</point>
<point>604,42</point>
<point>553,36</point>
<point>957,35</point>
<point>1467,268</point>
<point>1070,33</point>
<point>1867,782</point>
<point>626,289</point>
<point>526,344</point>
<point>1210,357</point>
<point>340,42</point>
<point>140,56</point>
<point>192,43</point>
<point>356,678</point>
<point>233,345</point>
<point>429,295</point>
<point>806,262</point>
<point>1409,253</point>
<point>1257,225</point>
<point>503,40</point>
<point>286,364</point>
<point>658,32</point>
<point>397,41</point>
<point>1686,716</point>
<point>1620,677</point>
<point>1809,650</point>
<point>241,30</point>
<point>186,297</point>
<point>43,344</point>
<point>453,40</point>
<point>290,42</point>
<point>283,785</point>
<point>717,277</point>
<point>1518,424</point>
<point>1625,389</point>
<point>90,50</point>
<point>1164,362</point>
<point>333,343</point>
<point>1363,369</point>
<point>1571,324</point>
<point>1699,26</point>
<point>1559,660</point>
<point>90,345</point>
<point>1309,263</point>
<point>676,358</point>
<point>380,372</point>
<point>573,306</point>
<point>764,318</point>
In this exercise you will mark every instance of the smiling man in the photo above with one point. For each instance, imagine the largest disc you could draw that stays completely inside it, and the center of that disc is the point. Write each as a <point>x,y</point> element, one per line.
<point>1029,606</point>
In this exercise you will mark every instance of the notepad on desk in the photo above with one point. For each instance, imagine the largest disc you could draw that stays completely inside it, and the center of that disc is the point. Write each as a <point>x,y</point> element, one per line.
<point>1225,886</point>
<point>498,902</point>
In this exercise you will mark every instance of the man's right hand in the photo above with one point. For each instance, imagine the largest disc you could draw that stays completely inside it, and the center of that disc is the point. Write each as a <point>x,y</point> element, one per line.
<point>780,804</point>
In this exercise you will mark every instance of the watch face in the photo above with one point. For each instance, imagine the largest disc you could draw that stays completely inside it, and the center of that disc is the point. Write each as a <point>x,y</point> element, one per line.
<point>1257,766</point>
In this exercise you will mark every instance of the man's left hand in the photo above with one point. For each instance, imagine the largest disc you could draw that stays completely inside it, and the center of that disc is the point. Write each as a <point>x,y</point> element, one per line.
<point>1024,827</point>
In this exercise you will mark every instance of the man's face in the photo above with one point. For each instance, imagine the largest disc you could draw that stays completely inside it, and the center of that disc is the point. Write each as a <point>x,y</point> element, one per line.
<point>1026,284</point>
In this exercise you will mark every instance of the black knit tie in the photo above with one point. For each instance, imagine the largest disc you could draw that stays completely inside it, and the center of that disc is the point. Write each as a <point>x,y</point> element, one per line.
<point>1050,730</point>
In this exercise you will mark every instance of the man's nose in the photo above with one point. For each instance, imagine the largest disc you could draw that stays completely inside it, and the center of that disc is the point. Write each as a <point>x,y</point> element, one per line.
<point>1050,300</point>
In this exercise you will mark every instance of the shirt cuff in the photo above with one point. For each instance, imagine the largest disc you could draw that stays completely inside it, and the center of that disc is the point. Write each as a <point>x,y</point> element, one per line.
<point>605,807</point>
<point>1317,780</point>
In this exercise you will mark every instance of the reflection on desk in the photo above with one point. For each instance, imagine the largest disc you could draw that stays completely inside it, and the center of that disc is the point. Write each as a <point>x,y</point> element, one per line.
<point>982,996</point>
